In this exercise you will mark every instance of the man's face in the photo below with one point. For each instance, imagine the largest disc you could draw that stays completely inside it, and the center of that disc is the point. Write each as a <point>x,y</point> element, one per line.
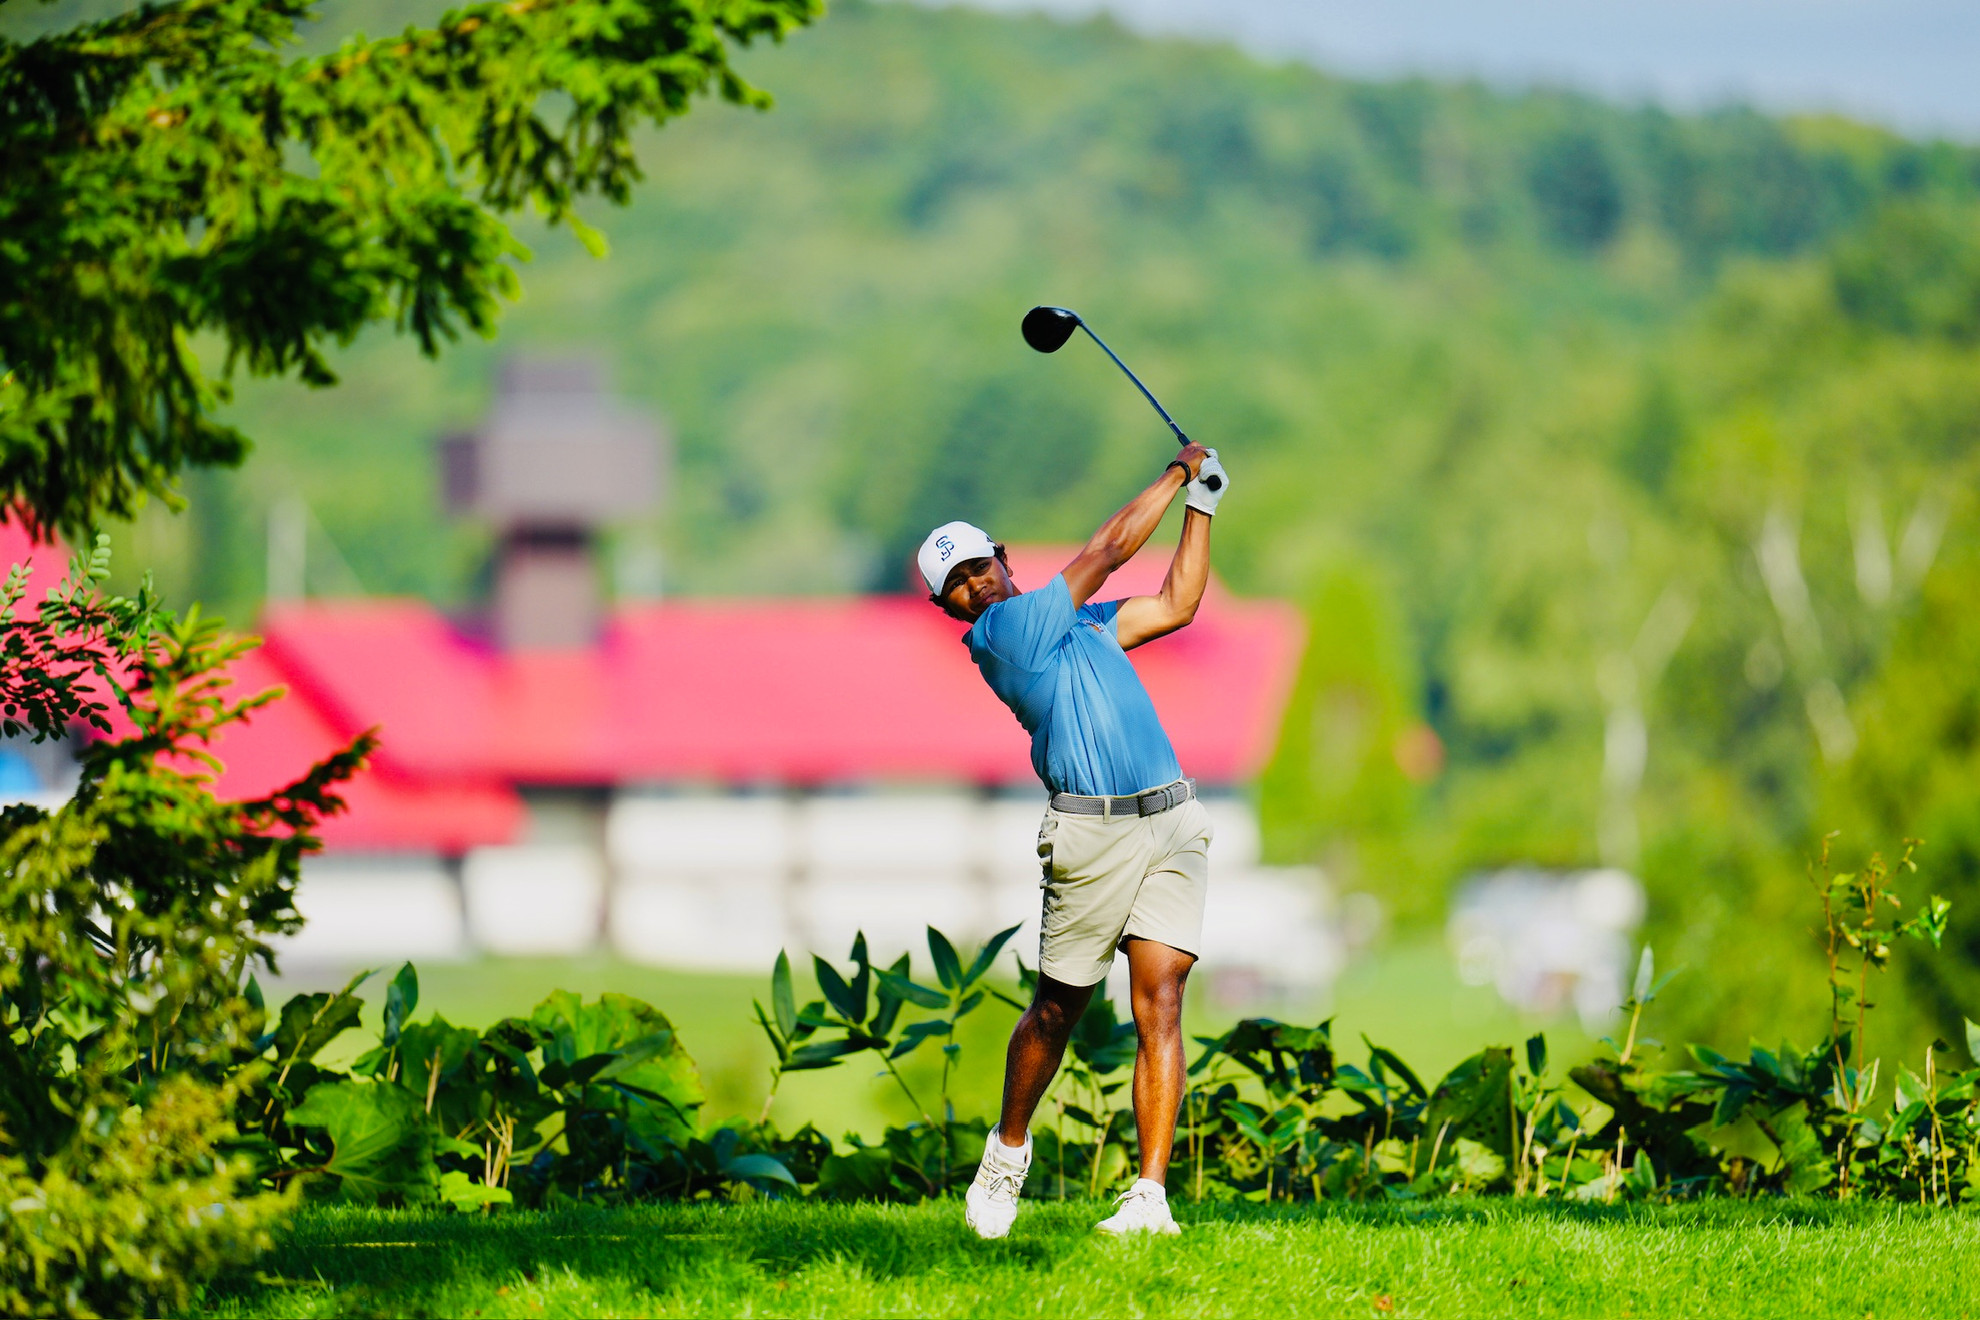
<point>975,585</point>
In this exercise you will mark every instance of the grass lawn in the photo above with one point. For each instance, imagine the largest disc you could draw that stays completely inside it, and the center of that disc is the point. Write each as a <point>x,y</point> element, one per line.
<point>1724,1260</point>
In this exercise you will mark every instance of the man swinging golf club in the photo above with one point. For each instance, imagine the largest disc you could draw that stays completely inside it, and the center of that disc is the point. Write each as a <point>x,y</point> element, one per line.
<point>1125,845</point>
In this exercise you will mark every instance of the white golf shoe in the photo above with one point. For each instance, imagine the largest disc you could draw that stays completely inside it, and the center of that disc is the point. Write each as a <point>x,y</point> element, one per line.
<point>990,1205</point>
<point>1142,1208</point>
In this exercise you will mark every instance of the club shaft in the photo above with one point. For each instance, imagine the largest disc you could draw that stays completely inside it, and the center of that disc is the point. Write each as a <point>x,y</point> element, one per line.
<point>1153,402</point>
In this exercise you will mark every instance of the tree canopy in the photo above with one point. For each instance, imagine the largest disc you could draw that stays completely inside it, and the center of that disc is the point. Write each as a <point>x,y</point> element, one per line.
<point>179,172</point>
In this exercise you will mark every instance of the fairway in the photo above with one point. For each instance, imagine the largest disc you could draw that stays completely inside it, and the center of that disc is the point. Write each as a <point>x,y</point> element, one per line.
<point>1725,1259</point>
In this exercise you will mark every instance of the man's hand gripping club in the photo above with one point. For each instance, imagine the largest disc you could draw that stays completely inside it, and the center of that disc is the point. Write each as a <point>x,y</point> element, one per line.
<point>1209,484</point>
<point>1144,618</point>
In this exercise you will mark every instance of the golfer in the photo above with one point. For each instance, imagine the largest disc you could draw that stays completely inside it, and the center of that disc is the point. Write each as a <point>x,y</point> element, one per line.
<point>1125,845</point>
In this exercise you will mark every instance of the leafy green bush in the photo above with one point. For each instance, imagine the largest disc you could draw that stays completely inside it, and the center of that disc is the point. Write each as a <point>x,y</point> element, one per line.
<point>1273,1113</point>
<point>1797,1121</point>
<point>863,1012</point>
<point>1782,1121</point>
<point>132,1214</point>
<point>576,1102</point>
<point>129,917</point>
<point>599,1101</point>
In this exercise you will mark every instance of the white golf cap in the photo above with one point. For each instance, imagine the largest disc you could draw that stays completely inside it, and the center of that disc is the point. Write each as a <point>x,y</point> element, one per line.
<point>948,545</point>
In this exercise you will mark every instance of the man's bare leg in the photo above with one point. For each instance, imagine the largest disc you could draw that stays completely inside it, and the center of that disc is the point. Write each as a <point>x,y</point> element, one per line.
<point>1156,975</point>
<point>1038,1042</point>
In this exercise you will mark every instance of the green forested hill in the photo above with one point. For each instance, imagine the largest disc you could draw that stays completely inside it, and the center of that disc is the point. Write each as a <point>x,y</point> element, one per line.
<point>1619,447</point>
<point>1355,287</point>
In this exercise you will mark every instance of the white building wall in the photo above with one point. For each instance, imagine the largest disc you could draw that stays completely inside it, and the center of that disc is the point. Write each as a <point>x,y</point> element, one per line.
<point>360,909</point>
<point>701,880</point>
<point>719,881</point>
<point>890,864</point>
<point>534,898</point>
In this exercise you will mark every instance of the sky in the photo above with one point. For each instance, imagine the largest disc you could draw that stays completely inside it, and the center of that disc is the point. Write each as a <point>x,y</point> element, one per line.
<point>1911,64</point>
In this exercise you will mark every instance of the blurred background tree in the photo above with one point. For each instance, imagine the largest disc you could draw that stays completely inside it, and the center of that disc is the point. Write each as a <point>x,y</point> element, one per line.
<point>176,171</point>
<point>1616,455</point>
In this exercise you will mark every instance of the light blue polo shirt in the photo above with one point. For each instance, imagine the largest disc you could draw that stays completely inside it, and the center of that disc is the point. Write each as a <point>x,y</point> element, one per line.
<point>1064,675</point>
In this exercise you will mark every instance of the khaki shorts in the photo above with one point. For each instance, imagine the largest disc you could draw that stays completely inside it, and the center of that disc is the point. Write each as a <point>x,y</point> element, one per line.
<point>1108,879</point>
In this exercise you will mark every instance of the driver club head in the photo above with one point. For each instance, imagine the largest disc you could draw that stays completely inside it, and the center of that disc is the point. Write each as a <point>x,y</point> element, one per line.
<point>1048,328</point>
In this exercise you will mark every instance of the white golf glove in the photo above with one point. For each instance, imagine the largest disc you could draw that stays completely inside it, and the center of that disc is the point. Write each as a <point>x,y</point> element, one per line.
<point>1211,482</point>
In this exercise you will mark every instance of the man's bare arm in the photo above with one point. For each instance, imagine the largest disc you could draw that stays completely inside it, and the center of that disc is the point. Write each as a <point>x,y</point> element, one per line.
<point>1129,529</point>
<point>1144,618</point>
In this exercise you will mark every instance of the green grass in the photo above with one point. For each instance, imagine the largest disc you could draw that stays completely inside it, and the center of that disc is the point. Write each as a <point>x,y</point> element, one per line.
<point>1724,1259</point>
<point>1407,996</point>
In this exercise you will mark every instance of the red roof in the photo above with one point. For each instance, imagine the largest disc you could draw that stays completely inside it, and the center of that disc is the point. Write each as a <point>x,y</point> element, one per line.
<point>278,742</point>
<point>733,691</point>
<point>46,562</point>
<point>386,808</point>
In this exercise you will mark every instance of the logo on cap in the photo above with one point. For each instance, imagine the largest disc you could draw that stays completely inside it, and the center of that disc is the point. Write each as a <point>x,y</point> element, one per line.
<point>946,546</point>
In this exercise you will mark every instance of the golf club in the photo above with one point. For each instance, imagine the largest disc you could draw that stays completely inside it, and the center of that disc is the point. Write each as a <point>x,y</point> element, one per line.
<point>1048,328</point>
